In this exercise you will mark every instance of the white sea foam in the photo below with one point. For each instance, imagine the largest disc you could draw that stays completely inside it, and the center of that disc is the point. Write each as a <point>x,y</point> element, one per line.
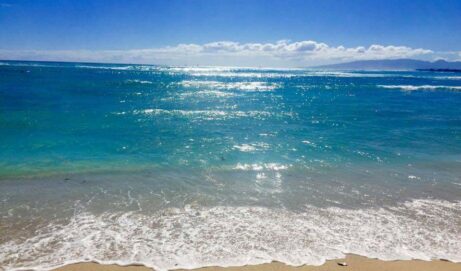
<point>122,68</point>
<point>142,68</point>
<point>245,148</point>
<point>344,74</point>
<point>413,177</point>
<point>442,77</point>
<point>423,87</point>
<point>29,64</point>
<point>252,147</point>
<point>194,237</point>
<point>307,142</point>
<point>137,81</point>
<point>261,166</point>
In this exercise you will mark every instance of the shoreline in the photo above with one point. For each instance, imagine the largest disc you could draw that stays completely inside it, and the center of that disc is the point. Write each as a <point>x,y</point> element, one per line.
<point>354,262</point>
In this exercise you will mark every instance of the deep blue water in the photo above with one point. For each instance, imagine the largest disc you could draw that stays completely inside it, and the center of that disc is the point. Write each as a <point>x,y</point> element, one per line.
<point>81,144</point>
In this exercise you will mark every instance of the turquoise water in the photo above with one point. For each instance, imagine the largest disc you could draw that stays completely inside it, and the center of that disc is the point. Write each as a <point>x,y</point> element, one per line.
<point>168,166</point>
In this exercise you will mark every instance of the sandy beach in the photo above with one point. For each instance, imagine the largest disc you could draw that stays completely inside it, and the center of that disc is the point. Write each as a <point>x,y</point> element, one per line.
<point>354,262</point>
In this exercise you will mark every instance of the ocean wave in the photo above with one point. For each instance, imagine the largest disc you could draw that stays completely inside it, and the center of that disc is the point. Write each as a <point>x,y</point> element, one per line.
<point>281,74</point>
<point>423,87</point>
<point>178,112</point>
<point>137,81</point>
<point>235,72</point>
<point>122,68</point>
<point>193,237</point>
<point>208,93</point>
<point>212,114</point>
<point>244,74</point>
<point>438,77</point>
<point>27,64</point>
<point>261,166</point>
<point>252,147</point>
<point>343,74</point>
<point>189,69</point>
<point>244,86</point>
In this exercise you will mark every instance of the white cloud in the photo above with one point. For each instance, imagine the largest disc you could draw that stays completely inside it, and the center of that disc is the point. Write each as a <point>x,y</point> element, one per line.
<point>280,53</point>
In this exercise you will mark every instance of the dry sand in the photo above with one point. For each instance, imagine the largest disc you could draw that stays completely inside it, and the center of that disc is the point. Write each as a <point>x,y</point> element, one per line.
<point>356,263</point>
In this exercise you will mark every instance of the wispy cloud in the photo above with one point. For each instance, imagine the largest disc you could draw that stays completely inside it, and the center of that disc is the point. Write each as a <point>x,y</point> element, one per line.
<point>5,5</point>
<point>280,53</point>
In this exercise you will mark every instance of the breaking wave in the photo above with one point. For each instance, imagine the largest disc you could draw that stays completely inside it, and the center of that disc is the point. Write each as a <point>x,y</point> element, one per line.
<point>423,87</point>
<point>193,237</point>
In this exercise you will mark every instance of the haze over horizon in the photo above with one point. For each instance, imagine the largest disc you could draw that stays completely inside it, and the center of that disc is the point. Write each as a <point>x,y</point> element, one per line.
<point>229,33</point>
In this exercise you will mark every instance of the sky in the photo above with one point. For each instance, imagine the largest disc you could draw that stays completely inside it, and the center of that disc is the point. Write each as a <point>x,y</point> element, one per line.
<point>229,32</point>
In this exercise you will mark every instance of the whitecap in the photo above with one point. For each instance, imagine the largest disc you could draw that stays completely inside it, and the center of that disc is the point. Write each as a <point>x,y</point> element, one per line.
<point>422,87</point>
<point>137,81</point>
<point>245,148</point>
<point>261,166</point>
<point>104,67</point>
<point>251,147</point>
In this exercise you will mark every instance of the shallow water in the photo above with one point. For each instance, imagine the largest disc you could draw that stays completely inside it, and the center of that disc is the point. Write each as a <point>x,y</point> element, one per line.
<point>193,166</point>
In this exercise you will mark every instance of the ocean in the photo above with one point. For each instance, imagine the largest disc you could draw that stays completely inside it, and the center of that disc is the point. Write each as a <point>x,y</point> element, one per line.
<point>184,167</point>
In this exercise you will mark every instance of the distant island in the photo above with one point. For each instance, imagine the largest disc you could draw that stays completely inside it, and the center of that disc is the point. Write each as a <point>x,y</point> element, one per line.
<point>396,64</point>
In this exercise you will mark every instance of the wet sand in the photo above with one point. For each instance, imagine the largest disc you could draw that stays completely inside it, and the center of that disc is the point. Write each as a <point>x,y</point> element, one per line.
<point>356,263</point>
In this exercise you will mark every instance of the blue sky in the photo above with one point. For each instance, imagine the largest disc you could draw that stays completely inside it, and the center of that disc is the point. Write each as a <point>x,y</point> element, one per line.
<point>295,32</point>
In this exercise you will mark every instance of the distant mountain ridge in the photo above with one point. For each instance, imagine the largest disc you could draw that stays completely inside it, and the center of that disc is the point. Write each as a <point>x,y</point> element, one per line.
<point>393,64</point>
